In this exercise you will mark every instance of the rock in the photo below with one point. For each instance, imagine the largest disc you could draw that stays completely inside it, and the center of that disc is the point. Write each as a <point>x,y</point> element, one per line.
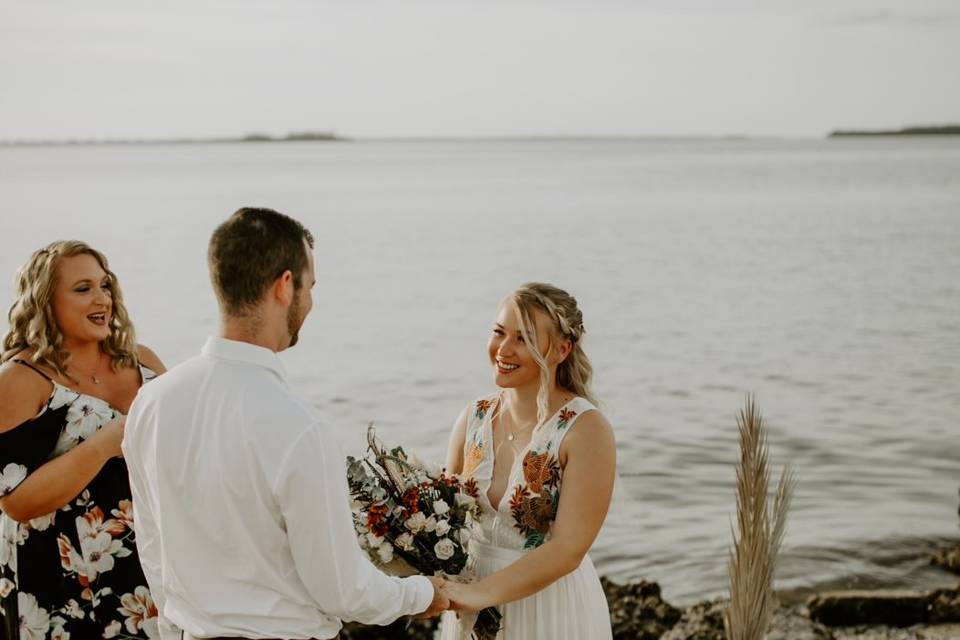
<point>848,608</point>
<point>943,605</point>
<point>702,621</point>
<point>791,622</point>
<point>637,611</point>
<point>948,559</point>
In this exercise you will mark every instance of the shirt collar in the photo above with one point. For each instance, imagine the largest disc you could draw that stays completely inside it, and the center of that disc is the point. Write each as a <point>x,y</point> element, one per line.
<point>224,349</point>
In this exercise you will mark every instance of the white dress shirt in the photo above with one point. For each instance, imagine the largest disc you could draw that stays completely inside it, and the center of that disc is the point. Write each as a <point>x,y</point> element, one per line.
<point>241,507</point>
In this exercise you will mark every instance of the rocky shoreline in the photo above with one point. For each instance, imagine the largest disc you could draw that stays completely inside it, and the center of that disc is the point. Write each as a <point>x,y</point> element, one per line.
<point>638,612</point>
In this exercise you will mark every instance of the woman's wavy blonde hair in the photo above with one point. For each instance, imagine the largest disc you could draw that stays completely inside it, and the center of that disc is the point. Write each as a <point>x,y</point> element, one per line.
<point>33,324</point>
<point>575,372</point>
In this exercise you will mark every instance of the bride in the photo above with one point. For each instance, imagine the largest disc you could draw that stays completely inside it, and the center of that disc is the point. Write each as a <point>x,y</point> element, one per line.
<point>544,459</point>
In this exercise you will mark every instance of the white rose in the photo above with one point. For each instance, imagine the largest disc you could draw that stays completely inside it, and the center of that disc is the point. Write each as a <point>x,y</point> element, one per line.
<point>464,536</point>
<point>444,548</point>
<point>416,522</point>
<point>373,540</point>
<point>385,552</point>
<point>463,500</point>
<point>440,507</point>
<point>405,542</point>
<point>443,527</point>
<point>431,524</point>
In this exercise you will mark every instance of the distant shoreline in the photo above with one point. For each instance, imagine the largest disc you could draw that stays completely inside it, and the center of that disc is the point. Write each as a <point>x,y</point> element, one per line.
<point>324,136</point>
<point>252,138</point>
<point>943,130</point>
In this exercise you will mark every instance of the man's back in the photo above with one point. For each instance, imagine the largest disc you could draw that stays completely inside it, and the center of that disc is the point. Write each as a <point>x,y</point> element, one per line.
<point>241,508</point>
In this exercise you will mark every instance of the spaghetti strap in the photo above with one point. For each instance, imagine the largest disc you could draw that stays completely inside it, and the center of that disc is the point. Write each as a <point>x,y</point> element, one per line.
<point>27,364</point>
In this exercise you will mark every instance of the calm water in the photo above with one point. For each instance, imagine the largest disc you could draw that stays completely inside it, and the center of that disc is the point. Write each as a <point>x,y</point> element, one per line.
<point>824,276</point>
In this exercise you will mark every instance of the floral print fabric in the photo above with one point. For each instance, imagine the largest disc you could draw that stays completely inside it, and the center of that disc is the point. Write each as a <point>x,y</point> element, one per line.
<point>72,574</point>
<point>523,521</point>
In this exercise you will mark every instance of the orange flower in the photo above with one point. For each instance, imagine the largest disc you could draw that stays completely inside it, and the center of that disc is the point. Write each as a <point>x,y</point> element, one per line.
<point>540,470</point>
<point>482,407</point>
<point>470,486</point>
<point>531,514</point>
<point>473,459</point>
<point>566,415</point>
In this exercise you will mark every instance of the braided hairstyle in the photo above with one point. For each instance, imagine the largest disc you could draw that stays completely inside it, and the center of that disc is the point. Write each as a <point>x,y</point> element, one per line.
<point>575,371</point>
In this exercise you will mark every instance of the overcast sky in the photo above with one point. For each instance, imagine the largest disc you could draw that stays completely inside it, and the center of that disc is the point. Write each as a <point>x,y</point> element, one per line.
<point>132,68</point>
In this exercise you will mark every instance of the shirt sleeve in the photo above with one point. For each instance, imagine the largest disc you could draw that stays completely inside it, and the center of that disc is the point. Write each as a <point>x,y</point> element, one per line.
<point>145,527</point>
<point>311,489</point>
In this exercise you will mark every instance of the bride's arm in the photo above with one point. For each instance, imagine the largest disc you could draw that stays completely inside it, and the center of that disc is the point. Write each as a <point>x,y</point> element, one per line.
<point>455,448</point>
<point>588,478</point>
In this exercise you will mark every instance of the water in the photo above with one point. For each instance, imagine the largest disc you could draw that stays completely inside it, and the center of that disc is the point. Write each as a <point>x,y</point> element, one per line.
<point>820,275</point>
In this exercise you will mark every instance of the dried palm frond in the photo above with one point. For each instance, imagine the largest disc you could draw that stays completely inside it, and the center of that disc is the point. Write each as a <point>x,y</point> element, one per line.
<point>759,532</point>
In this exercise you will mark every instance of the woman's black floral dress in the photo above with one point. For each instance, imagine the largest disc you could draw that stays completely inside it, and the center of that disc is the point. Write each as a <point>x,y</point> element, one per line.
<point>73,574</point>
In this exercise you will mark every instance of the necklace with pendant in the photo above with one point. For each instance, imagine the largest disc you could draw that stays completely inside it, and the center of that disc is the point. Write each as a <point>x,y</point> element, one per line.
<point>93,375</point>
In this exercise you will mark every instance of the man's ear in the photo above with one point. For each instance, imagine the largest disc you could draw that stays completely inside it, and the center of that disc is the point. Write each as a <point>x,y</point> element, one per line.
<point>284,289</point>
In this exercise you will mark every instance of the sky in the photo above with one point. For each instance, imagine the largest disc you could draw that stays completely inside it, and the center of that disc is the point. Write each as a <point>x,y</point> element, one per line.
<point>418,68</point>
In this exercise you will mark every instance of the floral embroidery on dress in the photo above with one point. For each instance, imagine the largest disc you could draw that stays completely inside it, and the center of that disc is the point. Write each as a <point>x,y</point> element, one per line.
<point>566,415</point>
<point>472,459</point>
<point>482,407</point>
<point>533,504</point>
<point>540,470</point>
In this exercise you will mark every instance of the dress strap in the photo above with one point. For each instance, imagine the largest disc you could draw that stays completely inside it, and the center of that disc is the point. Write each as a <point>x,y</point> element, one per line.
<point>27,364</point>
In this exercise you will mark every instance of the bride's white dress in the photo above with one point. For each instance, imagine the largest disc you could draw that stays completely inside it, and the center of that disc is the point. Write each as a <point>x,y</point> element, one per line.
<point>573,607</point>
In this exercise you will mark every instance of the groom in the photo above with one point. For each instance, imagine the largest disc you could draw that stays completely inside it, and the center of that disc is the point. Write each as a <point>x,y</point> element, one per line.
<point>241,507</point>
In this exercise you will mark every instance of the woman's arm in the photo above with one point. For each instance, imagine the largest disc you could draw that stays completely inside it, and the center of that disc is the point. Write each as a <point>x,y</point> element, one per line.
<point>588,478</point>
<point>60,480</point>
<point>457,440</point>
<point>23,393</point>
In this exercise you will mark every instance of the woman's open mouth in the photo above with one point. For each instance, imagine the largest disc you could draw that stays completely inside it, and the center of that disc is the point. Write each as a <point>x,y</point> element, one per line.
<point>506,367</point>
<point>99,319</point>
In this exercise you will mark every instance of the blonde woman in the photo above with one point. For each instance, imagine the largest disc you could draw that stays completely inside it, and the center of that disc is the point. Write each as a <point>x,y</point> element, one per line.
<point>544,459</point>
<point>70,370</point>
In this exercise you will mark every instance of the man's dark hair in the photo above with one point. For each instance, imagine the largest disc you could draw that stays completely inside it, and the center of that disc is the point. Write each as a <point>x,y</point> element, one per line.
<point>250,251</point>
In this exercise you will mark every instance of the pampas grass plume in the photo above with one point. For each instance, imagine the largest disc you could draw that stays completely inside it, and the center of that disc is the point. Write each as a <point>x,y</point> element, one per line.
<point>760,527</point>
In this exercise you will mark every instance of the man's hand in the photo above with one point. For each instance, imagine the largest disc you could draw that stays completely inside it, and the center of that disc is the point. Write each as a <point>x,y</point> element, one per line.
<point>440,601</point>
<point>467,597</point>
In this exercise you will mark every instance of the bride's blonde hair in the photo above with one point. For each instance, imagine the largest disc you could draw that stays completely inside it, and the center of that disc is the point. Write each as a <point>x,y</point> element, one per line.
<point>32,321</point>
<point>566,322</point>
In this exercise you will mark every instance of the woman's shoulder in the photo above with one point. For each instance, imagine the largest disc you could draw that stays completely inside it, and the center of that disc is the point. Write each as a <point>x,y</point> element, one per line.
<point>585,424</point>
<point>149,359</point>
<point>23,391</point>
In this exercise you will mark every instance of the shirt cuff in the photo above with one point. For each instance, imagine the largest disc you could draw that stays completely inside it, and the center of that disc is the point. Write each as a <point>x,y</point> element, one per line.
<point>423,593</point>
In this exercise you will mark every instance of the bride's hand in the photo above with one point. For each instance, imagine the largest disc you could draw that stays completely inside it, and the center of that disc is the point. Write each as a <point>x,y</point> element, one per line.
<point>466,597</point>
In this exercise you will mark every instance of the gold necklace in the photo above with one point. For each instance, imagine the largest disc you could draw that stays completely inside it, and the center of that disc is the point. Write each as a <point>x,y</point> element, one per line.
<point>93,375</point>
<point>511,435</point>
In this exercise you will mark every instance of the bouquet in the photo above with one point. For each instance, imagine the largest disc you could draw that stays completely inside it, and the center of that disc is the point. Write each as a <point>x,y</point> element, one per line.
<point>412,520</point>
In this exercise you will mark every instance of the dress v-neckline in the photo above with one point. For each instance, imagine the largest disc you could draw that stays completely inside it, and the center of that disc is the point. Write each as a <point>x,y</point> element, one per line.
<point>520,456</point>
